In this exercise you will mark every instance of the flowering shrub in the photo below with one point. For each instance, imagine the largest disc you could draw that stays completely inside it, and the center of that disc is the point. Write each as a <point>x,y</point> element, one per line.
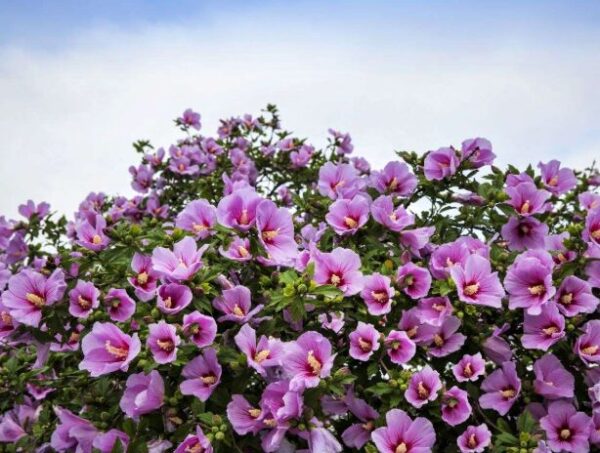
<point>262,295</point>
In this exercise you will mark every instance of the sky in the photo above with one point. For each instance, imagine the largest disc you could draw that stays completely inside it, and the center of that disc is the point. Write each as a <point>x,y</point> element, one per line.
<point>80,81</point>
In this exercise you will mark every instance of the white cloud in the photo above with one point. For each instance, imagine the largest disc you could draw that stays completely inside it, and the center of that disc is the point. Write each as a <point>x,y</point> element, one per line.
<point>68,115</point>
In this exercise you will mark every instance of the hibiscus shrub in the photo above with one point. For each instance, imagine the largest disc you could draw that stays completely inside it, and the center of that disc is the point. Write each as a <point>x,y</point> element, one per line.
<point>262,295</point>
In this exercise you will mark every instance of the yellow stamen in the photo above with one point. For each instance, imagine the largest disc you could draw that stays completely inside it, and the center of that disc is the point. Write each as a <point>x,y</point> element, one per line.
<point>368,426</point>
<point>550,330</point>
<point>467,370</point>
<point>96,239</point>
<point>238,311</point>
<point>526,207</point>
<point>196,448</point>
<point>314,363</point>
<point>537,290</point>
<point>379,296</point>
<point>596,234</point>
<point>439,307</point>
<point>410,333</point>
<point>270,235</point>
<point>209,379</point>
<point>438,340</point>
<point>165,345</point>
<point>508,393</point>
<point>199,227</point>
<point>421,390</point>
<point>393,183</point>
<point>244,217</point>
<point>74,338</point>
<point>590,350</point>
<point>119,353</point>
<point>401,448</point>
<point>365,345</point>
<point>335,279</point>
<point>270,422</point>
<point>36,300</point>
<point>261,355</point>
<point>6,318</point>
<point>142,278</point>
<point>83,302</point>
<point>565,434</point>
<point>243,251</point>
<point>254,413</point>
<point>553,181</point>
<point>472,442</point>
<point>471,290</point>
<point>566,299</point>
<point>350,222</point>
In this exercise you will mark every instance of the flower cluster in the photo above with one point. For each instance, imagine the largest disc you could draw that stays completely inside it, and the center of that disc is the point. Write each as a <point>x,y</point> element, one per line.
<point>261,294</point>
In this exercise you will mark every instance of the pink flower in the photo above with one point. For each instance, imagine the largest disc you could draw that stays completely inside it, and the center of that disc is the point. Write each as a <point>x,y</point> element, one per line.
<point>477,284</point>
<point>202,375</point>
<point>90,233</point>
<point>404,435</point>
<point>575,296</point>
<point>469,368</point>
<point>276,233</point>
<point>377,294</point>
<point>307,360</point>
<point>524,233</point>
<point>143,394</point>
<point>235,304</point>
<point>440,164</point>
<point>173,297</point>
<point>339,181</point>
<point>500,389</point>
<point>446,340</point>
<point>237,250</point>
<point>190,119</point>
<point>423,387</point>
<point>566,429</point>
<point>238,210</point>
<point>527,199</point>
<point>478,151</point>
<point>202,329</point>
<point>180,264</point>
<point>347,216</point>
<point>455,406</point>
<point>552,380</point>
<point>588,344</point>
<point>557,180</point>
<point>434,310</point>
<point>415,281</point>
<point>400,348</point>
<point>199,217</point>
<point>268,352</point>
<point>144,280</point>
<point>529,282</point>
<point>395,178</point>
<point>395,219</point>
<point>119,305</point>
<point>363,341</point>
<point>475,439</point>
<point>340,268</point>
<point>195,443</point>
<point>162,342</point>
<point>83,299</point>
<point>543,330</point>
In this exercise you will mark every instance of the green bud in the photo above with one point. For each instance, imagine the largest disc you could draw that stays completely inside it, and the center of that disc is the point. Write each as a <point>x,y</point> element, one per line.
<point>223,427</point>
<point>220,436</point>
<point>302,288</point>
<point>214,429</point>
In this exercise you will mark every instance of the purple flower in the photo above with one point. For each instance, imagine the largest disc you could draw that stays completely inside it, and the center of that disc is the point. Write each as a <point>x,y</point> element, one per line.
<point>400,348</point>
<point>237,250</point>
<point>416,239</point>
<point>301,157</point>
<point>202,329</point>
<point>524,233</point>
<point>527,199</point>
<point>591,231</point>
<point>566,429</point>
<point>181,263</point>
<point>339,181</point>
<point>529,282</point>
<point>543,330</point>
<point>469,368</point>
<point>395,219</point>
<point>333,321</point>
<point>575,296</point>
<point>30,209</point>
<point>395,179</point>
<point>500,389</point>
<point>347,216</point>
<point>90,233</point>
<point>276,232</point>
<point>377,294</point>
<point>475,439</point>
<point>477,284</point>
<point>142,178</point>
<point>14,423</point>
<point>144,280</point>
<point>342,141</point>
<point>190,119</point>
<point>446,256</point>
<point>404,435</point>
<point>415,281</point>
<point>497,348</point>
<point>107,441</point>
<point>364,341</point>
<point>244,417</point>
<point>588,344</point>
<point>307,360</point>
<point>235,304</point>
<point>198,217</point>
<point>589,200</point>
<point>552,380</point>
<point>557,180</point>
<point>28,292</point>
<point>143,394</point>
<point>202,375</point>
<point>268,352</point>
<point>120,306</point>
<point>72,433</point>
<point>162,342</point>
<point>173,297</point>
<point>358,434</point>
<point>434,310</point>
<point>195,443</point>
<point>83,299</point>
<point>106,349</point>
<point>445,339</point>
<point>415,329</point>
<point>340,268</point>
<point>455,406</point>
<point>440,164</point>
<point>478,151</point>
<point>238,210</point>
<point>423,387</point>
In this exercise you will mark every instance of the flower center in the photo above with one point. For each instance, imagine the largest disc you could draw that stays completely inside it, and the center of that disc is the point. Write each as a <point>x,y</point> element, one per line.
<point>350,222</point>
<point>208,379</point>
<point>83,302</point>
<point>452,402</point>
<point>524,229</point>
<point>238,311</point>
<point>566,299</point>
<point>596,234</point>
<point>379,296</point>
<point>508,393</point>
<point>261,355</point>
<point>565,433</point>
<point>196,448</point>
<point>6,318</point>
<point>119,353</point>
<point>166,345</point>
<point>243,251</point>
<point>553,181</point>
<point>537,290</point>
<point>36,300</point>
<point>335,279</point>
<point>168,302</point>
<point>422,390</point>
<point>198,227</point>
<point>244,217</point>
<point>590,350</point>
<point>401,448</point>
<point>365,345</point>
<point>74,338</point>
<point>96,239</point>
<point>142,278</point>
<point>467,370</point>
<point>551,330</point>
<point>472,442</point>
<point>254,413</point>
<point>472,289</point>
<point>270,422</point>
<point>269,235</point>
<point>410,333</point>
<point>439,307</point>
<point>438,340</point>
<point>525,207</point>
<point>314,364</point>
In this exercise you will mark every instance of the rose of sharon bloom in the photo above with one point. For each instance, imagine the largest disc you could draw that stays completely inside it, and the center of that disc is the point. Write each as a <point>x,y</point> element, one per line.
<point>340,268</point>
<point>195,443</point>
<point>529,283</point>
<point>83,299</point>
<point>527,199</point>
<point>202,329</point>
<point>566,429</point>
<point>440,164</point>
<point>347,216</point>
<point>588,344</point>
<point>276,233</point>
<point>163,341</point>
<point>377,294</point>
<point>108,441</point>
<point>244,417</point>
<point>557,180</point>
<point>524,233</point>
<point>198,217</point>
<point>268,352</point>
<point>469,368</point>
<point>358,434</point>
<point>90,233</point>
<point>173,297</point>
<point>120,306</point>
<point>575,296</point>
<point>446,339</point>
<point>415,281</point>
<point>500,389</point>
<point>478,151</point>
<point>496,348</point>
<point>72,433</point>
<point>339,181</point>
<point>144,279</point>
<point>15,423</point>
<point>455,406</point>
<point>364,341</point>
<point>395,178</point>
<point>404,435</point>
<point>423,387</point>
<point>237,250</point>
<point>106,349</point>
<point>446,256</point>
<point>307,360</point>
<point>28,292</point>
<point>202,375</point>
<point>395,219</point>
<point>400,348</point>
<point>543,330</point>
<point>477,284</point>
<point>591,232</point>
<point>238,210</point>
<point>434,310</point>
<point>180,264</point>
<point>143,394</point>
<point>30,209</point>
<point>190,118</point>
<point>235,303</point>
<point>475,439</point>
<point>552,380</point>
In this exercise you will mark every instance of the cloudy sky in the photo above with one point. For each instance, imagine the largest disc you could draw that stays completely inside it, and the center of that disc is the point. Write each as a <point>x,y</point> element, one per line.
<point>79,81</point>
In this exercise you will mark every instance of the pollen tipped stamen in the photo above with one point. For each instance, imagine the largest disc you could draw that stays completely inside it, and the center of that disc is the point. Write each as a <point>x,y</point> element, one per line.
<point>537,290</point>
<point>237,311</point>
<point>166,345</point>
<point>6,317</point>
<point>401,448</point>
<point>472,442</point>
<point>254,413</point>
<point>198,227</point>
<point>244,220</point>
<point>590,350</point>
<point>365,345</point>
<point>314,364</point>
<point>142,278</point>
<point>422,390</point>
<point>196,448</point>
<point>566,299</point>
<point>439,307</point>
<point>335,279</point>
<point>119,353</point>
<point>36,300</point>
<point>83,302</point>
<point>551,330</point>
<point>553,181</point>
<point>379,296</point>
<point>472,289</point>
<point>243,251</point>
<point>525,207</point>
<point>565,433</point>
<point>261,355</point>
<point>438,340</point>
<point>96,239</point>
<point>412,332</point>
<point>596,234</point>
<point>209,379</point>
<point>468,370</point>
<point>508,393</point>
<point>350,222</point>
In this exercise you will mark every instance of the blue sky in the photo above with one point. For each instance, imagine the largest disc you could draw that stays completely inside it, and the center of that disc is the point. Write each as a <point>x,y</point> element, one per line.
<point>79,81</point>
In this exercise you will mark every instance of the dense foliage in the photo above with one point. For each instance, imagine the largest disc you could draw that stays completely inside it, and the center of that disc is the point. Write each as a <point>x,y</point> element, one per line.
<point>262,295</point>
